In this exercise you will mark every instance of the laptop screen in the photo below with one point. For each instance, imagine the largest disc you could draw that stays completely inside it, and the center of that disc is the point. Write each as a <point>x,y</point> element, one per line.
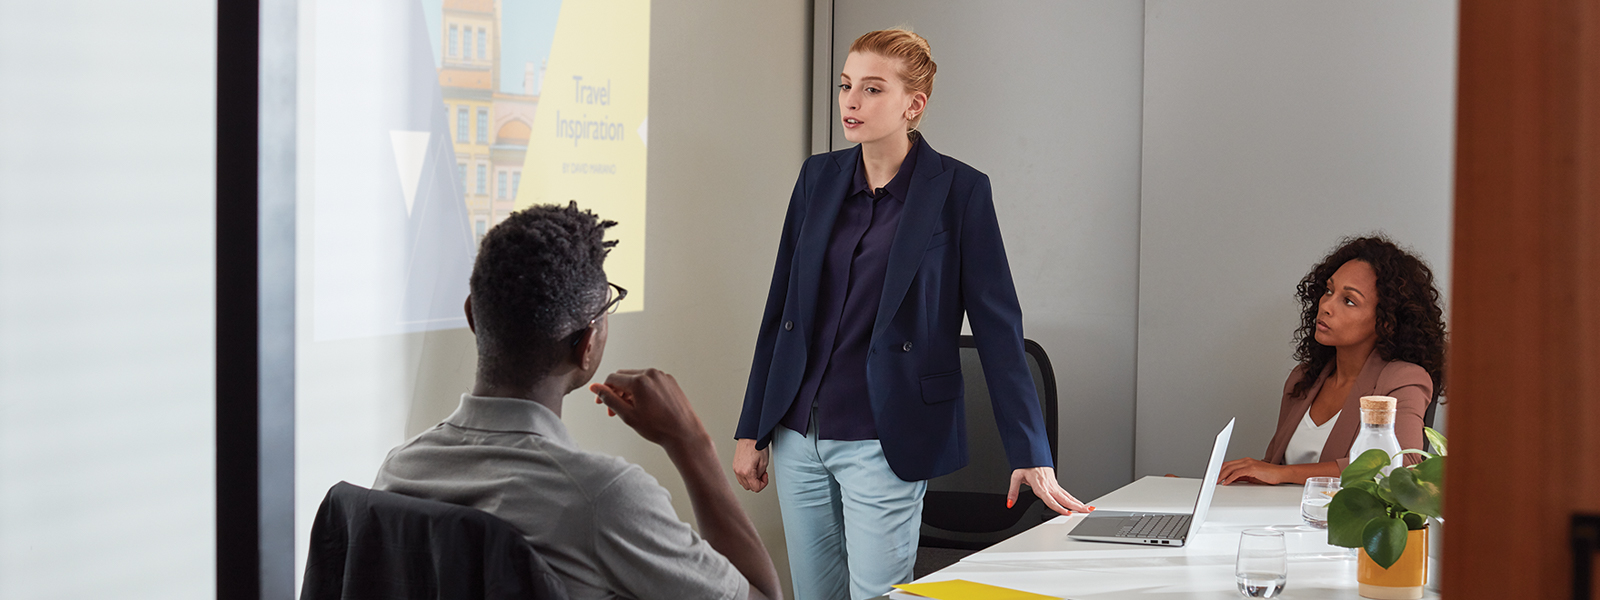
<point>1208,484</point>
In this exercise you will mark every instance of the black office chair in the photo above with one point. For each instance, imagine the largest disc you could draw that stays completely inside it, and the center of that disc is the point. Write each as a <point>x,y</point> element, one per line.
<point>1428,418</point>
<point>370,544</point>
<point>965,511</point>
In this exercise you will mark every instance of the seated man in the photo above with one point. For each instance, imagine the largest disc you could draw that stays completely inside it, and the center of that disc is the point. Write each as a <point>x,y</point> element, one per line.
<point>538,307</point>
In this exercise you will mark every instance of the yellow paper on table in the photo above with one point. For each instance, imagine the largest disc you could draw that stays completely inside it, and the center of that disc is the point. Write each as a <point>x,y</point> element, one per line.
<point>957,589</point>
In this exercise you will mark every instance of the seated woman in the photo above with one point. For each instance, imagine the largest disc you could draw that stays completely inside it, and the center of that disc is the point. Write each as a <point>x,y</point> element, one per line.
<point>1371,326</point>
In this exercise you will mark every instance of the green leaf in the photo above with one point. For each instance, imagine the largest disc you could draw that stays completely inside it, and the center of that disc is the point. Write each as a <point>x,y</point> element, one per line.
<point>1417,452</point>
<point>1431,471</point>
<point>1414,521</point>
<point>1364,467</point>
<point>1348,515</point>
<point>1414,495</point>
<point>1385,493</point>
<point>1370,487</point>
<point>1435,439</point>
<point>1384,540</point>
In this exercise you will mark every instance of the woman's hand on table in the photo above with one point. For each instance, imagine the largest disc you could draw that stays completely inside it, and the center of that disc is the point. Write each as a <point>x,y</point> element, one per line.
<point>1250,470</point>
<point>1042,480</point>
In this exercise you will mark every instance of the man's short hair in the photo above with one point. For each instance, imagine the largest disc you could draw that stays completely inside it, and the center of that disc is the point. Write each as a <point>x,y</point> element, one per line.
<point>536,283</point>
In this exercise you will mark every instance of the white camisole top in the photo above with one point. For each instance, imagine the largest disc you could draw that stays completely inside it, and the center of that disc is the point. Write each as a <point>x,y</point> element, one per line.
<point>1305,446</point>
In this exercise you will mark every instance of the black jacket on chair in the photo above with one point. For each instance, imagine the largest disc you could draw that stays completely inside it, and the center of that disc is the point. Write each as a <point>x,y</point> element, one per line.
<point>368,544</point>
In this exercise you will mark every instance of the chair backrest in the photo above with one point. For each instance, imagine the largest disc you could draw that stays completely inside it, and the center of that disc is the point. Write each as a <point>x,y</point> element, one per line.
<point>967,509</point>
<point>1428,417</point>
<point>371,544</point>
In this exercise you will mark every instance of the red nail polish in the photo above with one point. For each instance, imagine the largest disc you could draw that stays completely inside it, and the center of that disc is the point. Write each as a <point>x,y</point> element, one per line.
<point>1010,503</point>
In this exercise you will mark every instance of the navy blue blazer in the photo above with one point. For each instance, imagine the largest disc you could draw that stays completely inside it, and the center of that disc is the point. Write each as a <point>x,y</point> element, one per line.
<point>947,259</point>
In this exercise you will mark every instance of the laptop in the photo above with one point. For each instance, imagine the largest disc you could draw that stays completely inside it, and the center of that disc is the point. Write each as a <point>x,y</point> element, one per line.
<point>1157,529</point>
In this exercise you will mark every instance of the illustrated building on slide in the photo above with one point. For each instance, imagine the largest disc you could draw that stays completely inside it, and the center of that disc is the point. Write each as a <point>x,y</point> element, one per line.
<point>489,126</point>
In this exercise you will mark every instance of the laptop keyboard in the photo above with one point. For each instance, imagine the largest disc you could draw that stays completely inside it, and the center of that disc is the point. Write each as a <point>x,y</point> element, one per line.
<point>1160,527</point>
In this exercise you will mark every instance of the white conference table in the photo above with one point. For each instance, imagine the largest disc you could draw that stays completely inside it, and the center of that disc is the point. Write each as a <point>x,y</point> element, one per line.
<point>1043,560</point>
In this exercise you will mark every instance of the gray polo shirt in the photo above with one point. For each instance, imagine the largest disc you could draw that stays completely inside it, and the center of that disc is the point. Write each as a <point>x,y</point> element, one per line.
<point>605,526</point>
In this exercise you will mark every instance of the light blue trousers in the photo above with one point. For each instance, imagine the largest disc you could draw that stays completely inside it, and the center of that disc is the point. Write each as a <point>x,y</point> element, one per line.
<point>852,525</point>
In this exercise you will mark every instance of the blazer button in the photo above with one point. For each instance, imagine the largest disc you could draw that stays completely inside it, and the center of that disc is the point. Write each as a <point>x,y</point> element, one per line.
<point>906,347</point>
<point>788,325</point>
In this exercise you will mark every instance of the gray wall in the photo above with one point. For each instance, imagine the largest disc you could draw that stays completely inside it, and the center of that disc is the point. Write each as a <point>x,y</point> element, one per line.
<point>1271,130</point>
<point>1044,98</point>
<point>107,299</point>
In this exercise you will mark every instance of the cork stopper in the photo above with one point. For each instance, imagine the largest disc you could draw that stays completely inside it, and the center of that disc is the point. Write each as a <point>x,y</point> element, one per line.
<point>1377,410</point>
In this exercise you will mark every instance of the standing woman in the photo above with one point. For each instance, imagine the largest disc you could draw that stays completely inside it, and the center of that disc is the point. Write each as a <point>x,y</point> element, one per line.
<point>857,378</point>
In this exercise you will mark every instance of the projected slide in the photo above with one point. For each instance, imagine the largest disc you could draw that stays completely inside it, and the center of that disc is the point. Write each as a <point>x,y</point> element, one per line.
<point>434,120</point>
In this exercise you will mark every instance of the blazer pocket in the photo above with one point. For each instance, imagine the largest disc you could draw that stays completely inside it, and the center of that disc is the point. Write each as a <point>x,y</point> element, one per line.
<point>939,239</point>
<point>942,388</point>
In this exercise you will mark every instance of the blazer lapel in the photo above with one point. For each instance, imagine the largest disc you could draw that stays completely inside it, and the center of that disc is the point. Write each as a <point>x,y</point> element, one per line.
<point>1304,405</point>
<point>813,244</point>
<point>1344,431</point>
<point>1278,448</point>
<point>930,185</point>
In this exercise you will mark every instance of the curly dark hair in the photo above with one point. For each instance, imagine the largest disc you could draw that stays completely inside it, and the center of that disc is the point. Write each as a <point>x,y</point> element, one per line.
<point>537,280</point>
<point>1410,320</point>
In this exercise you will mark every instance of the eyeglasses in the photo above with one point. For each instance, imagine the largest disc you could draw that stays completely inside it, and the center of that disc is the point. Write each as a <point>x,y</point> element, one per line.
<point>610,307</point>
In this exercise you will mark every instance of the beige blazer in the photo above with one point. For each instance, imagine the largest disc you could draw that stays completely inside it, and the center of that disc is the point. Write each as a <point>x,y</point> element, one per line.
<point>1407,383</point>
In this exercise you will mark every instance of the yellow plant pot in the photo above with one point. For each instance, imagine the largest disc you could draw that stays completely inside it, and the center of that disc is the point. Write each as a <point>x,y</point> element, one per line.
<point>1401,581</point>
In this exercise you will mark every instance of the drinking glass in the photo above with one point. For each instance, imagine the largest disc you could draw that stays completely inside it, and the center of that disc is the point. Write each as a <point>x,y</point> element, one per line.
<point>1262,568</point>
<point>1314,500</point>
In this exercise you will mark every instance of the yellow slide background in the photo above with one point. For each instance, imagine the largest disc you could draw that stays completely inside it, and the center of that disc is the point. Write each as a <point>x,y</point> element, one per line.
<point>607,43</point>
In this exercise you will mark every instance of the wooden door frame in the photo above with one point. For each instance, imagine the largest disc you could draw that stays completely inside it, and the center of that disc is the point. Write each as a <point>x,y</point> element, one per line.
<point>1525,354</point>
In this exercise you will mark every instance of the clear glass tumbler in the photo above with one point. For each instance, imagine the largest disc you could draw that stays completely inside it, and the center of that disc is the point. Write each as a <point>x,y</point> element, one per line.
<point>1314,500</point>
<point>1262,568</point>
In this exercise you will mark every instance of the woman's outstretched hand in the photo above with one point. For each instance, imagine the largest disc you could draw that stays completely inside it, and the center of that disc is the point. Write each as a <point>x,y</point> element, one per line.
<point>1043,482</point>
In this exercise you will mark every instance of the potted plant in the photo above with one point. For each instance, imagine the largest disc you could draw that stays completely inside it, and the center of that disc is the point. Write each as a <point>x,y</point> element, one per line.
<point>1386,516</point>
